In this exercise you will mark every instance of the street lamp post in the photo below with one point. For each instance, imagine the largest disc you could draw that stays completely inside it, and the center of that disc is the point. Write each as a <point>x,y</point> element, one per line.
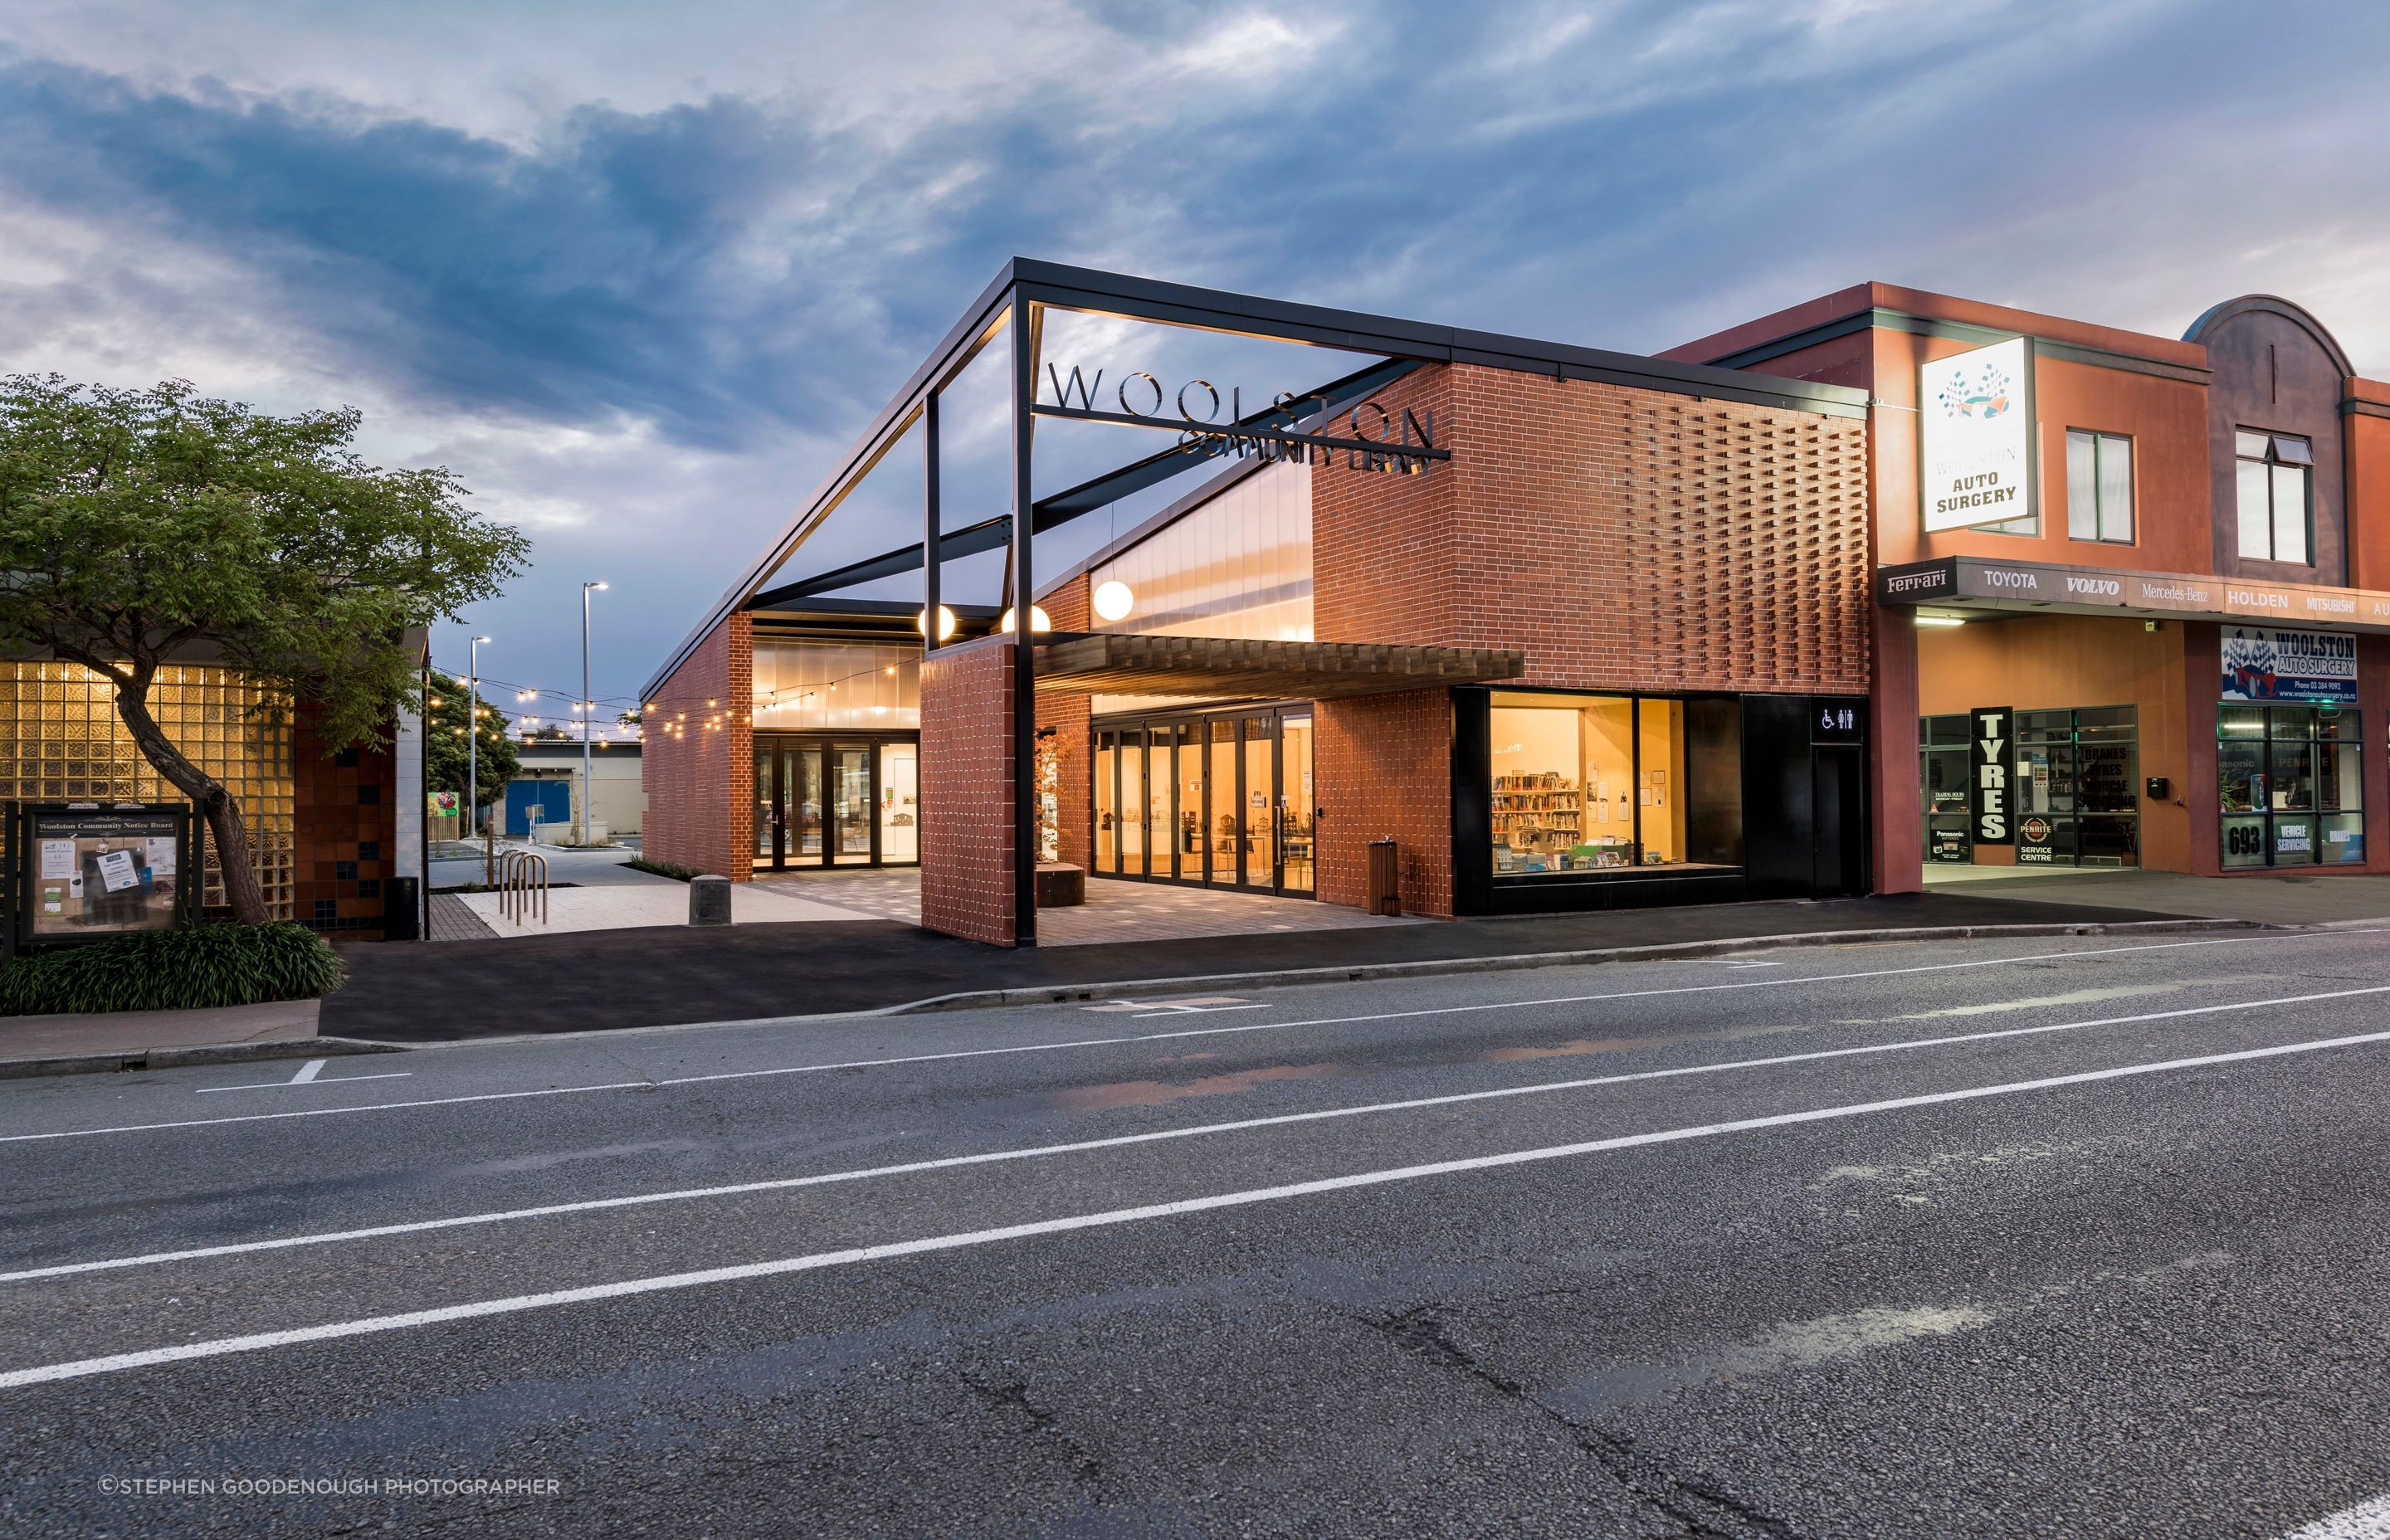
<point>589,710</point>
<point>472,753</point>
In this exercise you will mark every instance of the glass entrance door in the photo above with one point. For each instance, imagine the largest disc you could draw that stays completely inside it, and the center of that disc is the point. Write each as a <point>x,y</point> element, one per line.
<point>833,802</point>
<point>1222,801</point>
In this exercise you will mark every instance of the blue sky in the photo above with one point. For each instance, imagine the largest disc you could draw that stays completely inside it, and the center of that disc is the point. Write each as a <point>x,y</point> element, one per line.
<point>637,273</point>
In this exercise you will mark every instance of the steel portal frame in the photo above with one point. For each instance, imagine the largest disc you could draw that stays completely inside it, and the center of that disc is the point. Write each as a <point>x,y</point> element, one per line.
<point>1014,302</point>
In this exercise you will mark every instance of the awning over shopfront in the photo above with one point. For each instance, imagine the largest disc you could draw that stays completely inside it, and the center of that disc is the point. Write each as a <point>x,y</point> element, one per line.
<point>1972,582</point>
<point>1114,663</point>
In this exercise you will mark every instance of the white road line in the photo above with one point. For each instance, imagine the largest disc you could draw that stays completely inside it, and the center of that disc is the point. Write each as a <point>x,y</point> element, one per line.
<point>2368,1520</point>
<point>1200,1011</point>
<point>949,1162</point>
<point>223,1346</point>
<point>309,1070</point>
<point>305,1079</point>
<point>1153,1037</point>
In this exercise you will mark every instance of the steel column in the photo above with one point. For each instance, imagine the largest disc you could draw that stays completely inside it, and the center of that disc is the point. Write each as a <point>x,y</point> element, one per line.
<point>1024,643</point>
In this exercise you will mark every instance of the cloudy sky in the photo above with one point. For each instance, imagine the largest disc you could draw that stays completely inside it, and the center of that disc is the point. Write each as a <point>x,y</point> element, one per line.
<point>638,272</point>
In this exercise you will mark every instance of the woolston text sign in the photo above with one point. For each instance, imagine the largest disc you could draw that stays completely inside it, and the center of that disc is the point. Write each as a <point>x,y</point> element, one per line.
<point>1214,426</point>
<point>1974,414</point>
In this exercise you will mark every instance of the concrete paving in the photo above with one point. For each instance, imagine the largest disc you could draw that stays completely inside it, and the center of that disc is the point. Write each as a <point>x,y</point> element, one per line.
<point>1115,910</point>
<point>2269,898</point>
<point>2061,1238</point>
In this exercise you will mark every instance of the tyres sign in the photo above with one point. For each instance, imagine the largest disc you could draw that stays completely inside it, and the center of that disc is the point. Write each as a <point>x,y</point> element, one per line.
<point>1990,798</point>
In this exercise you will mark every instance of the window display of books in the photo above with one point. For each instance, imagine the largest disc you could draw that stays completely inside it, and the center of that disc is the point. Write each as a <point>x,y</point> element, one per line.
<point>1537,814</point>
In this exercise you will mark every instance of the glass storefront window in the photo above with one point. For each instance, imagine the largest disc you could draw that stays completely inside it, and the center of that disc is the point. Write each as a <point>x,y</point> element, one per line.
<point>2292,784</point>
<point>1602,783</point>
<point>900,802</point>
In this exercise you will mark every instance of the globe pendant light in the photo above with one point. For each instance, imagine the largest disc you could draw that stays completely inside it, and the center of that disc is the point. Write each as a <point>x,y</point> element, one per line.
<point>1113,600</point>
<point>1038,620</point>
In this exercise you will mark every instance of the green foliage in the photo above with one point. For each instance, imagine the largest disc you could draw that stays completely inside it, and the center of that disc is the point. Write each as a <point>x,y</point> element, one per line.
<point>443,744</point>
<point>186,970</point>
<point>673,869</point>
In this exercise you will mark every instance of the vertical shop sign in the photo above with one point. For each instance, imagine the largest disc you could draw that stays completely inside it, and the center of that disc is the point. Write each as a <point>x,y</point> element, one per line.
<point>1990,754</point>
<point>1975,415</point>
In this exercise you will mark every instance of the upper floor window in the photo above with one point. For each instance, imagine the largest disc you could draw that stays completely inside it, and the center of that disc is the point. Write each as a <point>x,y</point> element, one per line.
<point>2277,488</point>
<point>2098,487</point>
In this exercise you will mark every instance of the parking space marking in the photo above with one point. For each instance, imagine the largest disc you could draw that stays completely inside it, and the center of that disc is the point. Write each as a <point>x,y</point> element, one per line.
<point>306,1077</point>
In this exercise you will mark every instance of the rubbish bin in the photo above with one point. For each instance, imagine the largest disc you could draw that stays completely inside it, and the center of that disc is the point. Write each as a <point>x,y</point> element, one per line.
<point>402,909</point>
<point>1385,879</point>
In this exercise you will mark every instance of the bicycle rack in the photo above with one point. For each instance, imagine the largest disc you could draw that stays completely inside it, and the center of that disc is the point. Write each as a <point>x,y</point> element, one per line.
<point>522,885</point>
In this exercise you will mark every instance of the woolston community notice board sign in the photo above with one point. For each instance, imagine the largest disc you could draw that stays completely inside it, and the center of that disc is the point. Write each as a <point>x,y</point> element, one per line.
<point>83,871</point>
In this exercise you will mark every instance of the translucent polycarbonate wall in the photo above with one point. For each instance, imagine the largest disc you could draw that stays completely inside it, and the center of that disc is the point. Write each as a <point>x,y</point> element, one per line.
<point>1239,566</point>
<point>817,686</point>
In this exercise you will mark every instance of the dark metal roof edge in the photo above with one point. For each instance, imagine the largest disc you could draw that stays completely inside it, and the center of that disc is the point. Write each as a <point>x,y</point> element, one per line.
<point>1890,320</point>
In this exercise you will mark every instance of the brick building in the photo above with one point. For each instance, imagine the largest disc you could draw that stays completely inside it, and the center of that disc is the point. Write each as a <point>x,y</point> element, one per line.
<point>1783,613</point>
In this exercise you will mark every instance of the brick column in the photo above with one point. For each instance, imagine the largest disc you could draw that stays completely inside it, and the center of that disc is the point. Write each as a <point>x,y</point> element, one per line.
<point>1385,768</point>
<point>966,791</point>
<point>696,759</point>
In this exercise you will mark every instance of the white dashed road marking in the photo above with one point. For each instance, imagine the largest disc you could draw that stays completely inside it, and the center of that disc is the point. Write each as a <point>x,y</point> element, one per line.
<point>80,1369</point>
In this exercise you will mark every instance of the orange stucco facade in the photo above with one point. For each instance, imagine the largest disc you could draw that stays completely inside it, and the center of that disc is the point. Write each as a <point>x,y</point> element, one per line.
<point>2257,364</point>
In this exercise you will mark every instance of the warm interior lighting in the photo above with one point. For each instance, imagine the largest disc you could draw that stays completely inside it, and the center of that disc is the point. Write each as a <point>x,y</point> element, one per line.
<point>945,624</point>
<point>1038,620</point>
<point>1113,600</point>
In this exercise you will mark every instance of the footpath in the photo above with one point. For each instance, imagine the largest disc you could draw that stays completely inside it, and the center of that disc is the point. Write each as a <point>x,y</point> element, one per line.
<point>593,980</point>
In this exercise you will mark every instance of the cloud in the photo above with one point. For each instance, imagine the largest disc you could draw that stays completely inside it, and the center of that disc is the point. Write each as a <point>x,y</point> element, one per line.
<point>640,281</point>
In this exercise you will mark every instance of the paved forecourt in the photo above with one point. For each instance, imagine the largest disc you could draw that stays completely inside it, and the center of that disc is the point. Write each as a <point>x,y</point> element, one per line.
<point>1695,1243</point>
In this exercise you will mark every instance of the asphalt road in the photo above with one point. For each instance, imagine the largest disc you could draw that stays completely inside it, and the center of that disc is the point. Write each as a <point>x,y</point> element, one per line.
<point>2074,1238</point>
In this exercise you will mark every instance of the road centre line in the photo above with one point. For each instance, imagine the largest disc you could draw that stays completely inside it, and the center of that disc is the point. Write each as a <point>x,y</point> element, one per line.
<point>783,1183</point>
<point>1151,1037</point>
<point>628,1287</point>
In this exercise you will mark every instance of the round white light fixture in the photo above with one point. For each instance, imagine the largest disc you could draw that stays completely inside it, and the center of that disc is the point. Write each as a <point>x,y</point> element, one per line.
<point>945,624</point>
<point>1113,600</point>
<point>1038,620</point>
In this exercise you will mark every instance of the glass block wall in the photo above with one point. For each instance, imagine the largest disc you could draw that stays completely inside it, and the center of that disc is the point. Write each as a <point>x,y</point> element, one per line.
<point>60,741</point>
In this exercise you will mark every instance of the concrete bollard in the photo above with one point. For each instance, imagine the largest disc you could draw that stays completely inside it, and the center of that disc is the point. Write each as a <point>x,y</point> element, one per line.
<point>709,900</point>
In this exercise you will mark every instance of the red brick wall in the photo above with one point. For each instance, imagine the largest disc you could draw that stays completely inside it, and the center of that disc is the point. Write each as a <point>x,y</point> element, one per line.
<point>967,791</point>
<point>1625,538</point>
<point>346,823</point>
<point>1068,608</point>
<point>698,758</point>
<point>1385,768</point>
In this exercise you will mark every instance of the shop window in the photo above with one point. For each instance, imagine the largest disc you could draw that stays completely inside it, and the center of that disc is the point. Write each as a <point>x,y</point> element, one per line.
<point>1945,756</point>
<point>2275,479</point>
<point>2099,487</point>
<point>2292,786</point>
<point>1603,784</point>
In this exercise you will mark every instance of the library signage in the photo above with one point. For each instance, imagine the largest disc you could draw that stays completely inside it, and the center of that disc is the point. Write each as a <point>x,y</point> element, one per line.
<point>1974,414</point>
<point>1209,424</point>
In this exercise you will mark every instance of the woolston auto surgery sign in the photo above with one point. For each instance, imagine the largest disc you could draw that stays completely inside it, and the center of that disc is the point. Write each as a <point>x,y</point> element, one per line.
<point>1974,414</point>
<point>2267,663</point>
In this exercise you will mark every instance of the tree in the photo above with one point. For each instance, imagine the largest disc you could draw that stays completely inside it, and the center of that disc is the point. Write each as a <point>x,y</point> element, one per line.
<point>495,760</point>
<point>135,524</point>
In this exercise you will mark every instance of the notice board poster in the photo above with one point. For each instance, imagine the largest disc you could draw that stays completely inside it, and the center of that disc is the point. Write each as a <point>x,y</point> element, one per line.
<point>86,872</point>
